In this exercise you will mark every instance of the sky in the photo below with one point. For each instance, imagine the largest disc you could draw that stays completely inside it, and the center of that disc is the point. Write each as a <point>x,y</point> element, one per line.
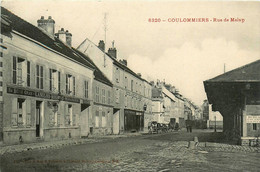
<point>183,54</point>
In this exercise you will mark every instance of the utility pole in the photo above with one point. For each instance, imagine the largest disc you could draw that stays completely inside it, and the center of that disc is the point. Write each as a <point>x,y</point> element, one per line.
<point>105,30</point>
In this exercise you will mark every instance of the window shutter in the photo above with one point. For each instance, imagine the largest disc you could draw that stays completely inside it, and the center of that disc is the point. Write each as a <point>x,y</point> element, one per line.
<point>28,111</point>
<point>14,112</point>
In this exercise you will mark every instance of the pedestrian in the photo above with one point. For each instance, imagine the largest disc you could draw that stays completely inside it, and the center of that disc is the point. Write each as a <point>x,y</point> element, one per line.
<point>188,125</point>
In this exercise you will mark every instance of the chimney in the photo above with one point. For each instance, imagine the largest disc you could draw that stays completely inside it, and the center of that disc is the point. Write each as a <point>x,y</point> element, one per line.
<point>68,38</point>
<point>48,25</point>
<point>61,35</point>
<point>124,62</point>
<point>101,45</point>
<point>112,51</point>
<point>64,36</point>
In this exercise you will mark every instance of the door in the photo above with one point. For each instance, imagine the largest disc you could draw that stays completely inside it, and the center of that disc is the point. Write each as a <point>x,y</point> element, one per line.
<point>38,118</point>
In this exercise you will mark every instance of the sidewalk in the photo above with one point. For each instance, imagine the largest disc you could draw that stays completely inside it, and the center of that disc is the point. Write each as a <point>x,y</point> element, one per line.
<point>59,143</point>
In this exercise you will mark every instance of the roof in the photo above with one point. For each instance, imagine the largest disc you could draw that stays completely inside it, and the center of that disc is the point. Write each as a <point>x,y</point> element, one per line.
<point>99,76</point>
<point>247,73</point>
<point>124,67</point>
<point>33,32</point>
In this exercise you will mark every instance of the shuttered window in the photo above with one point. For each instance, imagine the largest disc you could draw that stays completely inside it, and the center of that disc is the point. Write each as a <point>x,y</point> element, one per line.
<point>14,70</point>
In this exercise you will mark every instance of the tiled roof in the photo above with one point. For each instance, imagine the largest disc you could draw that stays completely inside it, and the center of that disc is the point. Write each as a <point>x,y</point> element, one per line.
<point>99,76</point>
<point>33,32</point>
<point>247,73</point>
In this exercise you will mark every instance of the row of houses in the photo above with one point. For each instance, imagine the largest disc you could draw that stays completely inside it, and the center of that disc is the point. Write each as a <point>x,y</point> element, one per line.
<point>169,106</point>
<point>52,91</point>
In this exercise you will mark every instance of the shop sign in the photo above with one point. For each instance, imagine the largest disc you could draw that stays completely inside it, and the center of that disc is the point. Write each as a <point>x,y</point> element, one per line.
<point>253,118</point>
<point>41,94</point>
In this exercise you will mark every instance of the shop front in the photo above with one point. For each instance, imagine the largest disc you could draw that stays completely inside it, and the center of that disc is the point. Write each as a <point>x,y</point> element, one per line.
<point>134,120</point>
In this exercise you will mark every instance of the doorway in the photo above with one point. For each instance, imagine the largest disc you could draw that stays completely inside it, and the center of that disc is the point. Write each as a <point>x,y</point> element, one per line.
<point>38,118</point>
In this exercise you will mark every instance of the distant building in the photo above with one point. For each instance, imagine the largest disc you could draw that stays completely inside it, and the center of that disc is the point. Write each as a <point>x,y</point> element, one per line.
<point>168,105</point>
<point>205,110</point>
<point>236,95</point>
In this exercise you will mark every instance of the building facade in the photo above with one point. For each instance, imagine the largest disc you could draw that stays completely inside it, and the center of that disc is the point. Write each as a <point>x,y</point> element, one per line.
<point>132,94</point>
<point>44,83</point>
<point>101,119</point>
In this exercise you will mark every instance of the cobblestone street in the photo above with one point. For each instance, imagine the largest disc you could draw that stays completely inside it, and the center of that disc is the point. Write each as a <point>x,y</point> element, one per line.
<point>158,152</point>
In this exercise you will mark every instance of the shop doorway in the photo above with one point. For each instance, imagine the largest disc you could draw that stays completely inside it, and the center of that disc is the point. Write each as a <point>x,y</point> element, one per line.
<point>38,118</point>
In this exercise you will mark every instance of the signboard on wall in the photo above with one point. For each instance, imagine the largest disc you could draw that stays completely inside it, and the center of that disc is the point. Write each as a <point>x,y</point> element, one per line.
<point>253,118</point>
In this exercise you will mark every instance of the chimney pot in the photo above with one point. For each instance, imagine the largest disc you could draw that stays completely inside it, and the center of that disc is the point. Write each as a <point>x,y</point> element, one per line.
<point>101,45</point>
<point>48,25</point>
<point>112,52</point>
<point>49,17</point>
<point>62,29</point>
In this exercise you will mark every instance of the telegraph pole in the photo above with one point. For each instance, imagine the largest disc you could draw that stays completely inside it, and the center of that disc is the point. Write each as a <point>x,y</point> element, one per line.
<point>105,39</point>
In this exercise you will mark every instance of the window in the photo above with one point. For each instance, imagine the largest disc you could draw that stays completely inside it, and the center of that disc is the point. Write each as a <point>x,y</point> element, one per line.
<point>53,116</point>
<point>39,76</point>
<point>104,121</point>
<point>86,89</point>
<point>97,119</point>
<point>97,94</point>
<point>254,126</point>
<point>70,114</point>
<point>1,54</point>
<point>21,112</point>
<point>132,85</point>
<point>59,82</point>
<point>70,84</point>
<point>117,95</point>
<point>108,97</point>
<point>19,71</point>
<point>28,74</point>
<point>14,70</point>
<point>54,80</point>
<point>117,75</point>
<point>126,82</point>
<point>103,96</point>
<point>74,86</point>
<point>126,100</point>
